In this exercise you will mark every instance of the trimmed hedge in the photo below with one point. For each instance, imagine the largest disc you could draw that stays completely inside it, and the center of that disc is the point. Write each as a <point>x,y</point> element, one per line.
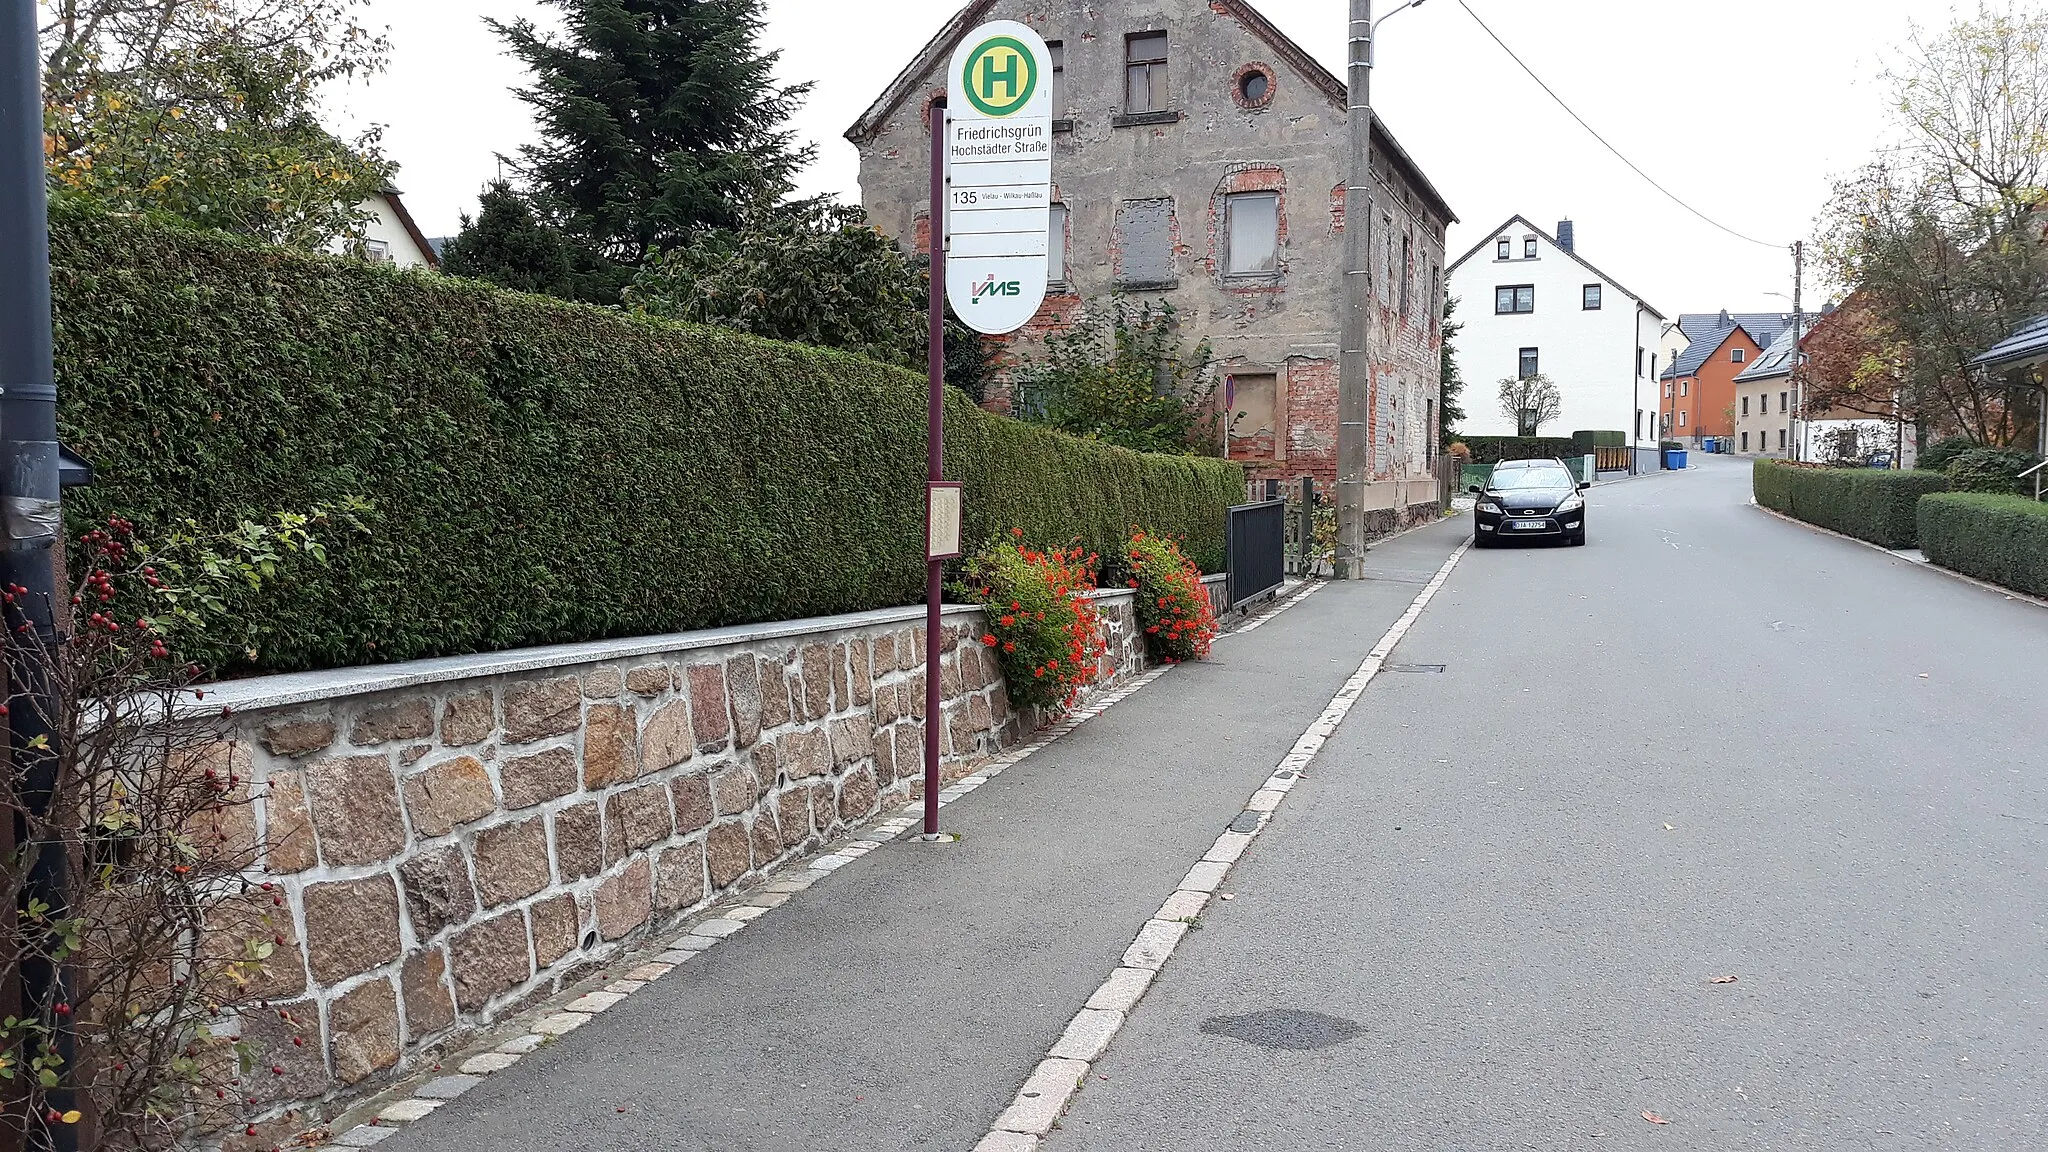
<point>1494,449</point>
<point>539,472</point>
<point>2003,539</point>
<point>1868,503</point>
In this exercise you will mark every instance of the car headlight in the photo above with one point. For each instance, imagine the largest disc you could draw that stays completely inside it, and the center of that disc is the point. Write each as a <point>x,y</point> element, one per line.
<point>1571,504</point>
<point>1489,506</point>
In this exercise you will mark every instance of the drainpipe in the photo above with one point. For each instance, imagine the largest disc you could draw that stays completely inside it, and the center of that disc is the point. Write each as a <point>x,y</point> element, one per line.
<point>29,505</point>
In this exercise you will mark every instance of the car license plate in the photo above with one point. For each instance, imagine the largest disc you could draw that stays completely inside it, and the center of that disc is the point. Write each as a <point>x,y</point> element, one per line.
<point>1525,525</point>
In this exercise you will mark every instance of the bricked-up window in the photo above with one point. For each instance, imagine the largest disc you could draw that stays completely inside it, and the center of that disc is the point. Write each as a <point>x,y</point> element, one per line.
<point>1527,367</point>
<point>1145,72</point>
<point>1058,51</point>
<point>1254,398</point>
<point>1144,244</point>
<point>1251,242</point>
<point>1407,275</point>
<point>1056,245</point>
<point>1512,298</point>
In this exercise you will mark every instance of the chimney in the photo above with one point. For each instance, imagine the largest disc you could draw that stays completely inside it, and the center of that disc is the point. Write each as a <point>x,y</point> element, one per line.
<point>1564,235</point>
<point>1724,316</point>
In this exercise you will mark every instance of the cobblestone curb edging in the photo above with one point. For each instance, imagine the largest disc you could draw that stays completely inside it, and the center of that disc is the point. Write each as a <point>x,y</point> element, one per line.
<point>1986,585</point>
<point>420,1099</point>
<point>1046,1093</point>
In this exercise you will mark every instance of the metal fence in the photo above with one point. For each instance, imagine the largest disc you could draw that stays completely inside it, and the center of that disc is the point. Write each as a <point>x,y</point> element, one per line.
<point>1257,536</point>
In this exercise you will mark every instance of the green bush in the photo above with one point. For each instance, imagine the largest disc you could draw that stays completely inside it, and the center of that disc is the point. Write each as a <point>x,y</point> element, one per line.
<point>537,472</point>
<point>1936,456</point>
<point>1491,450</point>
<point>2003,539</point>
<point>1868,503</point>
<point>1995,470</point>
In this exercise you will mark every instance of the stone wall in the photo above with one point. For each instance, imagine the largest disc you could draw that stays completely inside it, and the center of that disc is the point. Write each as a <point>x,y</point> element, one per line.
<point>453,839</point>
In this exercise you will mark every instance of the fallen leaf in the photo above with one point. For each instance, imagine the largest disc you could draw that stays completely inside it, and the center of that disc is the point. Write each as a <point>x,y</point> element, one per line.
<point>1229,896</point>
<point>1724,980</point>
<point>1923,675</point>
<point>1669,828</point>
<point>1653,1118</point>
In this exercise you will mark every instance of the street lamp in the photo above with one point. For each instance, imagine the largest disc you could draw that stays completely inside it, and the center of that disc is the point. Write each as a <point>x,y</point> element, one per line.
<point>1372,34</point>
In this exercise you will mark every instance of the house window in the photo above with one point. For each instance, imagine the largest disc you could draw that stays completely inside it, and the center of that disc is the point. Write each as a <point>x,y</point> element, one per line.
<point>1528,247</point>
<point>1745,405</point>
<point>1745,441</point>
<point>1145,72</point>
<point>1527,367</point>
<point>1682,386</point>
<point>1589,298</point>
<point>1639,360</point>
<point>1251,242</point>
<point>1503,249</point>
<point>1057,49</point>
<point>1436,308</point>
<point>1738,355</point>
<point>377,252</point>
<point>1653,365</point>
<point>1681,418</point>
<point>1056,246</point>
<point>1781,439</point>
<point>1639,423</point>
<point>1667,390</point>
<point>1144,244</point>
<point>1512,298</point>
<point>1783,403</point>
<point>1253,401</point>
<point>1253,87</point>
<point>1407,273</point>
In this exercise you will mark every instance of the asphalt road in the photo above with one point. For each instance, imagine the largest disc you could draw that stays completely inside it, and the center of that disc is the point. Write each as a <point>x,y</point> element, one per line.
<point>1708,744</point>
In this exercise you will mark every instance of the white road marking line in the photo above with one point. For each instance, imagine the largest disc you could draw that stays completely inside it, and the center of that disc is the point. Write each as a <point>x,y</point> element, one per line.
<point>1031,1114</point>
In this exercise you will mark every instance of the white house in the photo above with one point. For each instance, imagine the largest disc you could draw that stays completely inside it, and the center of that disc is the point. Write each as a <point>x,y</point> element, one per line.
<point>1530,303</point>
<point>389,235</point>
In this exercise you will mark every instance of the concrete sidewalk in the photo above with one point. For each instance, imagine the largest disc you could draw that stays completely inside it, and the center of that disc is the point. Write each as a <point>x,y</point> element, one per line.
<point>900,1001</point>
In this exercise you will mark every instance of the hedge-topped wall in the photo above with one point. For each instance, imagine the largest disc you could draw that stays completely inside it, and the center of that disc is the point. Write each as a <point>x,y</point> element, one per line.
<point>539,472</point>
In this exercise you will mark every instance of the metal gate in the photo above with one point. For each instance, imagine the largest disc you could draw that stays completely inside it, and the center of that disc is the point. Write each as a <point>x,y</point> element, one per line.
<point>1257,539</point>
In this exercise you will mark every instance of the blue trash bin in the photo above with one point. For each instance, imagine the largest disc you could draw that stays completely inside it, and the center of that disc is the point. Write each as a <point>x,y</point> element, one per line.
<point>1706,445</point>
<point>1674,458</point>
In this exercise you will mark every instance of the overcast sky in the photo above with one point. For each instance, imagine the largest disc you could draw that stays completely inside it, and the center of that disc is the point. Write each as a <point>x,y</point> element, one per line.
<point>1746,108</point>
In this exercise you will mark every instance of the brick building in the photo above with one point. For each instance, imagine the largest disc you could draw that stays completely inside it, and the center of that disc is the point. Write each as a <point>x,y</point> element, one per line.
<point>1199,157</point>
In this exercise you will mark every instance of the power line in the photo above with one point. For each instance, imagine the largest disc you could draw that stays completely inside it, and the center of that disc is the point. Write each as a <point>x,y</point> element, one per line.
<point>1602,139</point>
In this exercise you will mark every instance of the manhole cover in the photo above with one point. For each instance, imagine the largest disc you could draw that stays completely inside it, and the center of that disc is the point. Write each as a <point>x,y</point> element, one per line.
<point>1285,1028</point>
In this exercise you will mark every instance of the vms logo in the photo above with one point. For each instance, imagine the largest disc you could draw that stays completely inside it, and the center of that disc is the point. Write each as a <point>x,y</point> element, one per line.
<point>989,287</point>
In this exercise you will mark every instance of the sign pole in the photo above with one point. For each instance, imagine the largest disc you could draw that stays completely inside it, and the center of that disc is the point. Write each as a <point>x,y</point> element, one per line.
<point>935,461</point>
<point>991,185</point>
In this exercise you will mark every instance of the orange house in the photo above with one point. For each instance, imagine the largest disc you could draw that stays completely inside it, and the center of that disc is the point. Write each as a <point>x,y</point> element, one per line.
<point>1697,392</point>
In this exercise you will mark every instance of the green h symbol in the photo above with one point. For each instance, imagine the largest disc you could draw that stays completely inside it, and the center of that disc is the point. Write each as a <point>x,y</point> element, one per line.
<point>990,75</point>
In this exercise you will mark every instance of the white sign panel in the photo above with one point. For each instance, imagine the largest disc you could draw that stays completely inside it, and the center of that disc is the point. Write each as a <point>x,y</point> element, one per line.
<point>999,176</point>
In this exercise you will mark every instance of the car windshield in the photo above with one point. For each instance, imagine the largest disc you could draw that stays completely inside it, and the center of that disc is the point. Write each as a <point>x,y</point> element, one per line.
<point>1523,479</point>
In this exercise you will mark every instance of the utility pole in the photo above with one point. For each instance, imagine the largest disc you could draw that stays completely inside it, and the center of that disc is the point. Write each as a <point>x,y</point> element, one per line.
<point>1798,341</point>
<point>29,508</point>
<point>1354,363</point>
